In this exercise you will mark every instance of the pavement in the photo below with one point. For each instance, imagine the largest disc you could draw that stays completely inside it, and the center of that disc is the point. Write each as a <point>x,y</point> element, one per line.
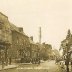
<point>8,67</point>
<point>46,66</point>
<point>20,64</point>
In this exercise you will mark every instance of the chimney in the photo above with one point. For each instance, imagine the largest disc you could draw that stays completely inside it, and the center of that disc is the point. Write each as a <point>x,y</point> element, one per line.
<point>20,29</point>
<point>31,38</point>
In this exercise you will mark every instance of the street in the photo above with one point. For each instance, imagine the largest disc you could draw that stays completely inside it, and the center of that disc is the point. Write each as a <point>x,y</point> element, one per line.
<point>47,66</point>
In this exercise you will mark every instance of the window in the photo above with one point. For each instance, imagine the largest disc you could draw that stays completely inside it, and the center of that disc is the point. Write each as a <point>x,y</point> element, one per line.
<point>17,40</point>
<point>0,32</point>
<point>1,24</point>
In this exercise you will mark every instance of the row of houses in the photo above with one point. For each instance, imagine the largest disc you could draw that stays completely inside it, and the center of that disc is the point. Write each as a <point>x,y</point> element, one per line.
<point>14,43</point>
<point>12,38</point>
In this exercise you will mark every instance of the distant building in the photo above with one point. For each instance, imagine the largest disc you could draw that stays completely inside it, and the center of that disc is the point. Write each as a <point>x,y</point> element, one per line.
<point>46,51</point>
<point>56,53</point>
<point>34,48</point>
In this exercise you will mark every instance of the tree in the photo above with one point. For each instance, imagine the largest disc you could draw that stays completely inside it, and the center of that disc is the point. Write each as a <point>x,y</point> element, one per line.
<point>68,34</point>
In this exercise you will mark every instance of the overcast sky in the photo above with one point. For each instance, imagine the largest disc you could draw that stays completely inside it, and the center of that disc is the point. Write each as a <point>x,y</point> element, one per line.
<point>54,16</point>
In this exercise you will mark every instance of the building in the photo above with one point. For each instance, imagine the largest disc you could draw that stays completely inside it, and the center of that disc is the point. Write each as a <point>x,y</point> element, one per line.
<point>15,44</point>
<point>5,35</point>
<point>35,51</point>
<point>20,43</point>
<point>34,48</point>
<point>56,53</point>
<point>13,41</point>
<point>46,51</point>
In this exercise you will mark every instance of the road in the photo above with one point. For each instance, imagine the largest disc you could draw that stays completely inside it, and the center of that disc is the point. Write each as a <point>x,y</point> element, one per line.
<point>47,66</point>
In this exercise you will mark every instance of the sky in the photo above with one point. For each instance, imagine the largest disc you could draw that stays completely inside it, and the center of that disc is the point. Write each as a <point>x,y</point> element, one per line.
<point>54,17</point>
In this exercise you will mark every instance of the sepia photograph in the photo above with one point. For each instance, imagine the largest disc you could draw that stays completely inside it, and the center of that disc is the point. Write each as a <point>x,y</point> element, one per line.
<point>35,35</point>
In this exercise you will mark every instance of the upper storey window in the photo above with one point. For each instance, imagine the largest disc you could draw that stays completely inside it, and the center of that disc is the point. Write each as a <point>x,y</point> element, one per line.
<point>1,24</point>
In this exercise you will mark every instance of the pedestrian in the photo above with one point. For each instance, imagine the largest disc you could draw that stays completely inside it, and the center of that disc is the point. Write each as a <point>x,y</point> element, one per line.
<point>2,58</point>
<point>62,64</point>
<point>71,65</point>
<point>2,62</point>
<point>10,60</point>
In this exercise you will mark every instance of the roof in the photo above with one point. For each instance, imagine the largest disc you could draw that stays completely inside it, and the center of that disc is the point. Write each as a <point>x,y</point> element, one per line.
<point>15,28</point>
<point>3,15</point>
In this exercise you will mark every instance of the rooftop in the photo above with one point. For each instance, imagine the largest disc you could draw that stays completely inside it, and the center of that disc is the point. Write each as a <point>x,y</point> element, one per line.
<point>15,28</point>
<point>3,14</point>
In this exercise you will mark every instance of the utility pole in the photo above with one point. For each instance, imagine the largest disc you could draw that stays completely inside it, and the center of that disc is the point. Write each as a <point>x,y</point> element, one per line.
<point>67,60</point>
<point>66,44</point>
<point>68,37</point>
<point>67,56</point>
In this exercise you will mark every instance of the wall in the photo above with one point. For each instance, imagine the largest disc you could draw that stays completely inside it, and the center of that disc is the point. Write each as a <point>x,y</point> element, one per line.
<point>19,42</point>
<point>5,32</point>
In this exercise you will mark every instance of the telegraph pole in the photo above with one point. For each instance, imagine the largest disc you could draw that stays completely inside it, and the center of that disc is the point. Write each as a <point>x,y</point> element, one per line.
<point>67,60</point>
<point>68,37</point>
